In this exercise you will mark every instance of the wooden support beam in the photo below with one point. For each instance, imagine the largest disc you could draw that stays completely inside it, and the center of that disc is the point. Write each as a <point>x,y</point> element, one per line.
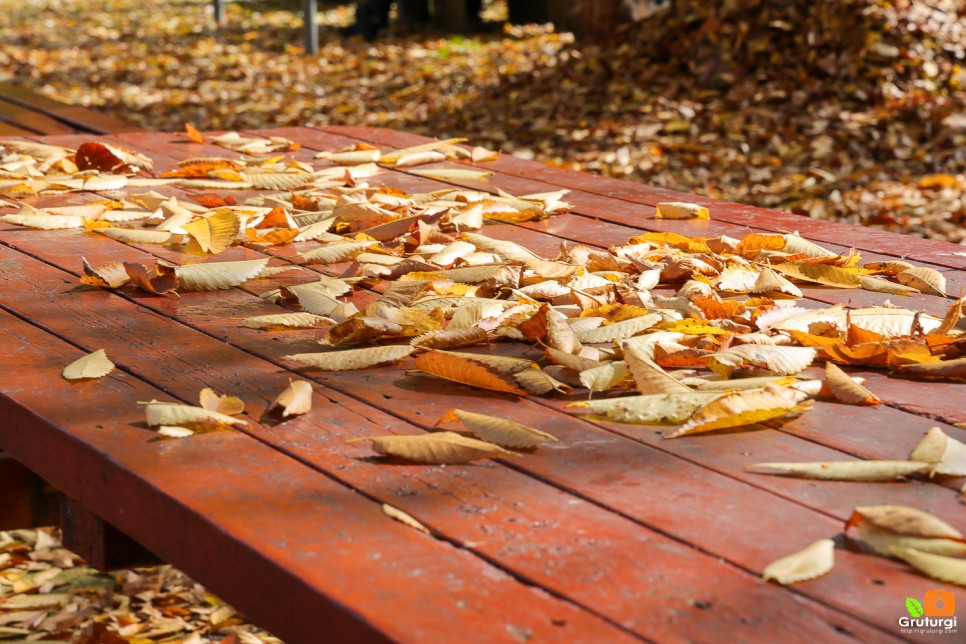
<point>100,543</point>
<point>27,500</point>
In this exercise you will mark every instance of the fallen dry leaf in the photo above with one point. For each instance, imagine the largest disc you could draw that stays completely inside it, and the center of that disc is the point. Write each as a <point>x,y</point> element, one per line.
<point>814,561</point>
<point>296,399</point>
<point>945,455</point>
<point>439,448</point>
<point>841,386</point>
<point>350,359</point>
<point>845,470</point>
<point>93,365</point>
<point>498,431</point>
<point>402,517</point>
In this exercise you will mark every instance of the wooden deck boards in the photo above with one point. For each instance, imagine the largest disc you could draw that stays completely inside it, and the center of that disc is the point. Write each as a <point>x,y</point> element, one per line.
<point>615,531</point>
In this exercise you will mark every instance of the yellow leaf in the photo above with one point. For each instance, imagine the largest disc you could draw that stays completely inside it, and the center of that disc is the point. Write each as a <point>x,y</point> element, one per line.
<point>780,360</point>
<point>814,561</point>
<point>674,240</point>
<point>216,233</point>
<point>655,409</point>
<point>680,210</point>
<point>939,567</point>
<point>159,413</point>
<point>742,408</point>
<point>229,405</point>
<point>295,399</point>
<point>846,470</point>
<point>93,365</point>
<point>452,174</point>
<point>278,321</point>
<point>351,359</point>
<point>439,448</point>
<point>821,274</point>
<point>498,431</point>
<point>402,517</point>
<point>690,326</point>
<point>925,280</point>
<point>218,275</point>
<point>843,388</point>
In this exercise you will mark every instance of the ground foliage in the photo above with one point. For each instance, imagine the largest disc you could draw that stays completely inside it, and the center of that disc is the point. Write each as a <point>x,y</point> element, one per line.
<point>48,593</point>
<point>849,110</point>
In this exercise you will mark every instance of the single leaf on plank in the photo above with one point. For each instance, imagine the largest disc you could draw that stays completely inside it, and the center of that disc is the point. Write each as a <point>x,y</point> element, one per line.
<point>743,408</point>
<point>656,409</point>
<point>439,448</point>
<point>498,431</point>
<point>680,210</point>
<point>949,569</point>
<point>295,399</point>
<point>93,365</point>
<point>173,431</point>
<point>944,370</point>
<point>193,133</point>
<point>845,470</point>
<point>177,414</point>
<point>160,281</point>
<point>479,155</point>
<point>814,561</point>
<point>350,359</point>
<point>390,157</point>
<point>841,387</point>
<point>278,321</point>
<point>44,222</point>
<point>953,315</point>
<point>94,155</point>
<point>884,526</point>
<point>945,455</point>
<point>466,370</point>
<point>133,236</point>
<point>926,280</point>
<point>110,275</point>
<point>419,158</point>
<point>218,275</point>
<point>229,405</point>
<point>452,174</point>
<point>402,517</point>
<point>350,157</point>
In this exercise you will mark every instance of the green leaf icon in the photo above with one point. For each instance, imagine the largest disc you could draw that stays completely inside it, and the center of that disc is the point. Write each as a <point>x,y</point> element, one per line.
<point>914,607</point>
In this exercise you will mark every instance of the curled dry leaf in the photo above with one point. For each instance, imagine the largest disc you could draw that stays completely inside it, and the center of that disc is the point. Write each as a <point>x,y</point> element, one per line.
<point>350,359</point>
<point>619,330</point>
<point>944,370</point>
<point>498,431</point>
<point>228,405</point>
<point>743,408</point>
<point>161,281</point>
<point>110,275</point>
<point>841,386</point>
<point>466,370</point>
<point>44,222</point>
<point>648,376</point>
<point>295,399</point>
<point>130,236</point>
<point>926,280</point>
<point>605,376</point>
<point>884,526</point>
<point>452,174</point>
<point>439,448</point>
<point>944,454</point>
<point>680,210</point>
<point>218,275</point>
<point>948,569</point>
<point>845,470</point>
<point>216,233</point>
<point>177,414</point>
<point>93,365</point>
<point>108,158</point>
<point>280,321</point>
<point>402,517</point>
<point>451,338</point>
<point>814,561</point>
<point>538,381</point>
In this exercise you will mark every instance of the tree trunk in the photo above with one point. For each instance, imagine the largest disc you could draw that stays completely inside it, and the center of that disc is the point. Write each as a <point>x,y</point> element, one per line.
<point>601,18</point>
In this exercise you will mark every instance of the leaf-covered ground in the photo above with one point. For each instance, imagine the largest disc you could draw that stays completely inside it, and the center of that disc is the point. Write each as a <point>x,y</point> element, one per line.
<point>850,110</point>
<point>48,594</point>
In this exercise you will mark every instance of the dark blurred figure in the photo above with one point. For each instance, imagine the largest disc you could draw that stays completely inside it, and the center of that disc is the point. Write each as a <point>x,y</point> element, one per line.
<point>373,15</point>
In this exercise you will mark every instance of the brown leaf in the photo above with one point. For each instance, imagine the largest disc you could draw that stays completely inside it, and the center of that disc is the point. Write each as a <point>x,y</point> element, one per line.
<point>161,281</point>
<point>453,367</point>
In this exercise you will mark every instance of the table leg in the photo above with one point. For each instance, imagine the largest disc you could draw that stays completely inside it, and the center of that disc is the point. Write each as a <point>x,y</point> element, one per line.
<point>310,26</point>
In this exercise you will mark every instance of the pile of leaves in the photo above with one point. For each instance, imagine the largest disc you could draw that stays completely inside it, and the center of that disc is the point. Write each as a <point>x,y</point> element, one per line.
<point>844,110</point>
<point>48,593</point>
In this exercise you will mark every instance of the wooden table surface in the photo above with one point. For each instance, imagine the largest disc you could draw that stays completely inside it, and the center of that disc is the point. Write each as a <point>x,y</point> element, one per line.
<point>612,534</point>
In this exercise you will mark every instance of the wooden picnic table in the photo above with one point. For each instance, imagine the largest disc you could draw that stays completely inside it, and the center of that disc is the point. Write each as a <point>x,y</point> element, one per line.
<point>612,534</point>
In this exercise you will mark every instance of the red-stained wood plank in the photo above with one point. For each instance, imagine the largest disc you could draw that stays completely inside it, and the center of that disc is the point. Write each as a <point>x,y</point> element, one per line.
<point>27,501</point>
<point>863,237</point>
<point>611,551</point>
<point>59,117</point>
<point>371,384</point>
<point>251,522</point>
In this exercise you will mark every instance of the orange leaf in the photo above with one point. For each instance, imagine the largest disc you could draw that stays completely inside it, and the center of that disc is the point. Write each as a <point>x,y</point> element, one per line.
<point>108,158</point>
<point>467,372</point>
<point>211,200</point>
<point>715,309</point>
<point>193,133</point>
<point>161,281</point>
<point>858,335</point>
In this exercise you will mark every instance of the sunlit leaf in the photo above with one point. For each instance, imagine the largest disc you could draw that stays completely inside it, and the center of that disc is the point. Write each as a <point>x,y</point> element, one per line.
<point>350,359</point>
<point>498,431</point>
<point>814,561</point>
<point>93,365</point>
<point>438,448</point>
<point>845,470</point>
<point>296,399</point>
